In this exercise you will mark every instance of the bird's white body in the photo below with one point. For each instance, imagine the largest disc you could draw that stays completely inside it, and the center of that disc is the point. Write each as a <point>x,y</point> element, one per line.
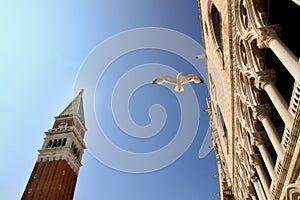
<point>179,80</point>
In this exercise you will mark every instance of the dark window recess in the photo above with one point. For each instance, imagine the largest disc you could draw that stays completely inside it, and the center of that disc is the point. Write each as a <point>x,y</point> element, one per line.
<point>217,25</point>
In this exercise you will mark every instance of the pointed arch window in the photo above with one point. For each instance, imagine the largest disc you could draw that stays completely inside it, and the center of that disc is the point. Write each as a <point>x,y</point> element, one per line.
<point>217,25</point>
<point>222,121</point>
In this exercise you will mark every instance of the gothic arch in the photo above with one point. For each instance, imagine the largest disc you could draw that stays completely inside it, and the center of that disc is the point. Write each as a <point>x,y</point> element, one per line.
<point>214,25</point>
<point>242,84</point>
<point>258,9</point>
<point>250,15</point>
<point>257,57</point>
<point>241,54</point>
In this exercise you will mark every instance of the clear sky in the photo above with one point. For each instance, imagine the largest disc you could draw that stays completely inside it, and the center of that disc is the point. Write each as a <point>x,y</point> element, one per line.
<point>144,141</point>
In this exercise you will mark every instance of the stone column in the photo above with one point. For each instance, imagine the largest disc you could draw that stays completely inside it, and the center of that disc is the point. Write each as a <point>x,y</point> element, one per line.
<point>297,2</point>
<point>265,80</point>
<point>69,141</point>
<point>262,113</point>
<point>258,139</point>
<point>257,187</point>
<point>257,163</point>
<point>251,192</point>
<point>267,38</point>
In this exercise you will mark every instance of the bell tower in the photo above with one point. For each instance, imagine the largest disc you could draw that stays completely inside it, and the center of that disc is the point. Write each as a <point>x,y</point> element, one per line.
<point>55,172</point>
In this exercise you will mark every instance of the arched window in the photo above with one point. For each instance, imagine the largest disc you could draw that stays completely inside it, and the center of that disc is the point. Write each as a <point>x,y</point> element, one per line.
<point>49,144</point>
<point>217,25</point>
<point>54,143</point>
<point>75,149</point>
<point>64,141</point>
<point>222,121</point>
<point>59,142</point>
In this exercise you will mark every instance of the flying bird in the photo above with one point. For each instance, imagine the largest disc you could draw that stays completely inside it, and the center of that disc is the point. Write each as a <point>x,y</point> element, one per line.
<point>179,80</point>
<point>201,56</point>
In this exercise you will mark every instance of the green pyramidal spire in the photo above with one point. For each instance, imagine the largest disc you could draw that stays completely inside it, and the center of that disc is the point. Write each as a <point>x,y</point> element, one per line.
<point>75,108</point>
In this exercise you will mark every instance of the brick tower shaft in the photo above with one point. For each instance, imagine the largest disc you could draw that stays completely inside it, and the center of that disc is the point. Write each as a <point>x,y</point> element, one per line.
<point>54,175</point>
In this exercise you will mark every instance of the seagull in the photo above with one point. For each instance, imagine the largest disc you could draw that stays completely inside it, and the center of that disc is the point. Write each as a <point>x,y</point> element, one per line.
<point>179,80</point>
<point>201,56</point>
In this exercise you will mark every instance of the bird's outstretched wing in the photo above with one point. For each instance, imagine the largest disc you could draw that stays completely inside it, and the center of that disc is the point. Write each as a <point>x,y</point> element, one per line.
<point>192,78</point>
<point>165,78</point>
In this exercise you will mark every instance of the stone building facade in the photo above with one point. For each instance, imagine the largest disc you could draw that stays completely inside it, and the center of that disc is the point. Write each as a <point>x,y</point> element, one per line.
<point>252,50</point>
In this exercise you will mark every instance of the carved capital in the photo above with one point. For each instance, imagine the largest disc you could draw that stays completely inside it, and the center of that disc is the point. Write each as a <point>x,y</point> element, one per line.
<point>266,34</point>
<point>255,159</point>
<point>251,190</point>
<point>261,111</point>
<point>258,138</point>
<point>264,77</point>
<point>253,178</point>
<point>251,173</point>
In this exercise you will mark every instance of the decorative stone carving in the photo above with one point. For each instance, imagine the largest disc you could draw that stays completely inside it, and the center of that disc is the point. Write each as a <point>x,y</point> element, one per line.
<point>253,177</point>
<point>258,138</point>
<point>255,159</point>
<point>293,191</point>
<point>266,34</point>
<point>264,77</point>
<point>261,111</point>
<point>251,190</point>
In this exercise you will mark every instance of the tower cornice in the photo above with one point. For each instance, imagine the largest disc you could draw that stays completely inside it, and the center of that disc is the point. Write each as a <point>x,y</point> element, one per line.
<point>62,153</point>
<point>56,170</point>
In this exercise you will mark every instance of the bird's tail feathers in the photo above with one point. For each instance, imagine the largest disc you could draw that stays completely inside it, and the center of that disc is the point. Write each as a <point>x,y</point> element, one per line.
<point>178,89</point>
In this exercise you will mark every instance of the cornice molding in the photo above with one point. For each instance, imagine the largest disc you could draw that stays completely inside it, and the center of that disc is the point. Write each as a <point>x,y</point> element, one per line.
<point>62,153</point>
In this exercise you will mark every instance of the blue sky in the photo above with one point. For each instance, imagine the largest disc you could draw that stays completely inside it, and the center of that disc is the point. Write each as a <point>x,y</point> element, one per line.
<point>45,46</point>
